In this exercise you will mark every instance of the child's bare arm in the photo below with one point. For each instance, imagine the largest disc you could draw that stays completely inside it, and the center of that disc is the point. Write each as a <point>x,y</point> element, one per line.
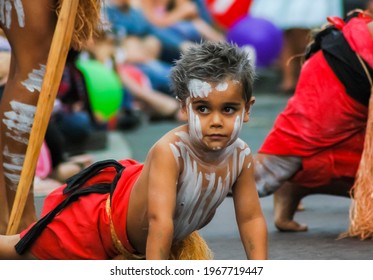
<point>7,250</point>
<point>250,219</point>
<point>161,202</point>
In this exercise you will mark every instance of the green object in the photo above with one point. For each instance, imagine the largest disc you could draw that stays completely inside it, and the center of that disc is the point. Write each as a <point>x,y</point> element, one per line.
<point>104,88</point>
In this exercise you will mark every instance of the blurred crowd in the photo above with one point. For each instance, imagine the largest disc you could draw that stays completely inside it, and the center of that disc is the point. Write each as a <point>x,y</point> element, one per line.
<point>136,49</point>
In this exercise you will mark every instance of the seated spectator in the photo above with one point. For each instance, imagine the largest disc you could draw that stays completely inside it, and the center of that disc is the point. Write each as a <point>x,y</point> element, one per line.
<point>127,20</point>
<point>54,166</point>
<point>154,103</point>
<point>72,112</point>
<point>144,53</point>
<point>63,164</point>
<point>204,12</point>
<point>182,17</point>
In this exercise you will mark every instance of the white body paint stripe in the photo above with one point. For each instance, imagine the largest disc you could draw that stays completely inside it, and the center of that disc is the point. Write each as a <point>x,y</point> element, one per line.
<point>13,167</point>
<point>35,79</point>
<point>19,121</point>
<point>6,12</point>
<point>20,12</point>
<point>202,192</point>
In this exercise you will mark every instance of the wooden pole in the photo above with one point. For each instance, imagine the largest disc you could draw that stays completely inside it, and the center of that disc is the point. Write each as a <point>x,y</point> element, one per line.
<point>54,69</point>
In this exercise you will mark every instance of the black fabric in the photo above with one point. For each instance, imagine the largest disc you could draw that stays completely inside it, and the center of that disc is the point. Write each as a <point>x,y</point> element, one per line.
<point>318,38</point>
<point>343,61</point>
<point>73,190</point>
<point>56,143</point>
<point>346,66</point>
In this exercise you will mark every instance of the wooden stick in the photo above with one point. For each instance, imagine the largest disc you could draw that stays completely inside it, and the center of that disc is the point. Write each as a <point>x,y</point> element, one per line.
<point>54,69</point>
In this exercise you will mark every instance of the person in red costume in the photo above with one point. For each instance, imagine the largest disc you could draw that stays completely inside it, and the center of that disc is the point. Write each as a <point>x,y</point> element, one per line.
<point>154,210</point>
<point>316,143</point>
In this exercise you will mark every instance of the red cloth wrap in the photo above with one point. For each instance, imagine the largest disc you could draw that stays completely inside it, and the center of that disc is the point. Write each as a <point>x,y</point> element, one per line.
<point>82,229</point>
<point>321,123</point>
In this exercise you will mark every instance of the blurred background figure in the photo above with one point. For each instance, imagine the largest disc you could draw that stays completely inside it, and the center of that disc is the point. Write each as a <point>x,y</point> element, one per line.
<point>127,19</point>
<point>296,18</point>
<point>4,61</point>
<point>349,5</point>
<point>182,17</point>
<point>139,95</point>
<point>369,6</point>
<point>259,36</point>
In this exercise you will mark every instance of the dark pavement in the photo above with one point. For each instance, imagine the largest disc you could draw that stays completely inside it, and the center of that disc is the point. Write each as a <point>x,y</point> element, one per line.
<point>327,216</point>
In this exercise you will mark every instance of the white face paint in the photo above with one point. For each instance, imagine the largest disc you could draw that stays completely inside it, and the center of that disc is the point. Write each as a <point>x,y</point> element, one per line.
<point>19,121</point>
<point>222,86</point>
<point>35,79</point>
<point>201,89</point>
<point>12,167</point>
<point>6,12</point>
<point>203,186</point>
<point>198,88</point>
<point>237,127</point>
<point>195,129</point>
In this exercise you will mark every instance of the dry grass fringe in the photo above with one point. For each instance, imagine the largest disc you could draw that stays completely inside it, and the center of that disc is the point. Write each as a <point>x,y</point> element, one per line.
<point>361,211</point>
<point>192,247</point>
<point>87,23</point>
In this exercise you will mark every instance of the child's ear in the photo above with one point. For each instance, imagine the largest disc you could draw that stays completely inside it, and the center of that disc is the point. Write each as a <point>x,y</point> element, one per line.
<point>248,106</point>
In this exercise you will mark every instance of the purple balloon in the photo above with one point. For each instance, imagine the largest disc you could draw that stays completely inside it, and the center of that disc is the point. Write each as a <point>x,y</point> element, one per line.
<point>261,34</point>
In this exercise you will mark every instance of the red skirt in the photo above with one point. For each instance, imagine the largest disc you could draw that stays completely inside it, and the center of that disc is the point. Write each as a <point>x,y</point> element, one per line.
<point>82,229</point>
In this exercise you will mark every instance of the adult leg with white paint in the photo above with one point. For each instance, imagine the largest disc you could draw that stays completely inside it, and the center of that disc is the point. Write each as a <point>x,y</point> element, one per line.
<point>29,27</point>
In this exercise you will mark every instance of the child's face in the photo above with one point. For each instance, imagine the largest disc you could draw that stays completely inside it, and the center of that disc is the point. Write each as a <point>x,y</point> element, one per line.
<point>216,113</point>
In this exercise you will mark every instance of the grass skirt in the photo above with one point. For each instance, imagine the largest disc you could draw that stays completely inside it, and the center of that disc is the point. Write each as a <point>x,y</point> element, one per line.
<point>192,247</point>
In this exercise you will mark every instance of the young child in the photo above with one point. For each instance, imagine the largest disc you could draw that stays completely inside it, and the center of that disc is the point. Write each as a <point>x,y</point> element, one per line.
<point>316,143</point>
<point>153,210</point>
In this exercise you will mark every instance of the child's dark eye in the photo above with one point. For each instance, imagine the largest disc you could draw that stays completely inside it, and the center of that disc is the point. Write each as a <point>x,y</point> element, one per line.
<point>202,109</point>
<point>229,110</point>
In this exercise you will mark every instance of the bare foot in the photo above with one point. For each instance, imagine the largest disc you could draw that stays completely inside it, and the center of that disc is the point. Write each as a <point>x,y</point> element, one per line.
<point>286,202</point>
<point>288,197</point>
<point>290,226</point>
<point>300,206</point>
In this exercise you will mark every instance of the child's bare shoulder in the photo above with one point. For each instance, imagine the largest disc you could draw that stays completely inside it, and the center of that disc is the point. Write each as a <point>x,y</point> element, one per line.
<point>245,154</point>
<point>163,145</point>
<point>243,146</point>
